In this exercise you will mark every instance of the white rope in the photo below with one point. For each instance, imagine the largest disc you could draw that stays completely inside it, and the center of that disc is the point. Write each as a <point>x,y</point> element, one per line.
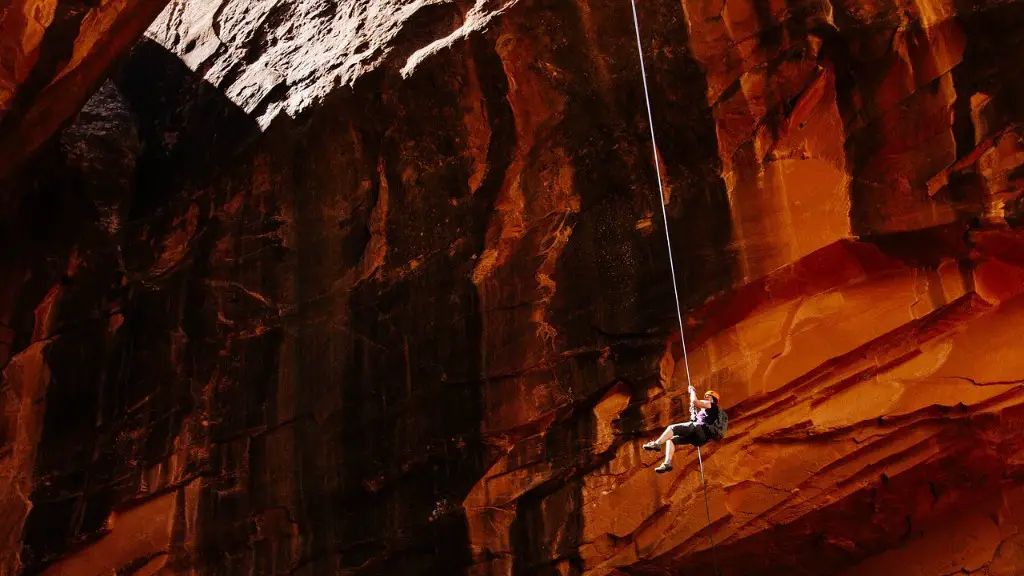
<point>661,191</point>
<point>707,508</point>
<point>671,263</point>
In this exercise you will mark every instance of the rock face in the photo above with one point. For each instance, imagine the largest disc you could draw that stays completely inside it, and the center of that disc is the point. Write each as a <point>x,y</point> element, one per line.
<point>382,288</point>
<point>53,55</point>
<point>271,57</point>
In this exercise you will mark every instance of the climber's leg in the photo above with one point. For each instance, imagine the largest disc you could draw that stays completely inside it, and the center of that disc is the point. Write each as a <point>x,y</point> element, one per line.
<point>670,451</point>
<point>685,433</point>
<point>656,445</point>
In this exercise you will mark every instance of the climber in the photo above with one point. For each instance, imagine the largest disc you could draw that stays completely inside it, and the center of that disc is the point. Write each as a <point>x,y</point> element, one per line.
<point>707,424</point>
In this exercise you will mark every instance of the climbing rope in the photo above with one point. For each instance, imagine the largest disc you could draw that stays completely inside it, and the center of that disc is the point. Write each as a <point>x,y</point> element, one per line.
<point>671,263</point>
<point>707,508</point>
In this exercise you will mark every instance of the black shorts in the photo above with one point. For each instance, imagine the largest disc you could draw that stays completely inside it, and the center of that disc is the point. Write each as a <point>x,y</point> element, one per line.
<point>693,434</point>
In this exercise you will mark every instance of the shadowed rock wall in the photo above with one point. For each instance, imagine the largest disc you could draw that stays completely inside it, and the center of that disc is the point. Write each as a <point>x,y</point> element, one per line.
<point>53,56</point>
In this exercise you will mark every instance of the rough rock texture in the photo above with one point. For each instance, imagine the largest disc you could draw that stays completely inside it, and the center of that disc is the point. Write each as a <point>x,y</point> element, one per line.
<point>53,55</point>
<point>422,323</point>
<point>274,56</point>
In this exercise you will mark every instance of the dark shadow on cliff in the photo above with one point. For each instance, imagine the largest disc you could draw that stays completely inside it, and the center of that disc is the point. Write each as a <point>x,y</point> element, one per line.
<point>188,127</point>
<point>420,366</point>
<point>116,399</point>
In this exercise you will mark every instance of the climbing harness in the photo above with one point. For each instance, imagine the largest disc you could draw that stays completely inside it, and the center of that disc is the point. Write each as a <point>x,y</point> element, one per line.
<point>671,263</point>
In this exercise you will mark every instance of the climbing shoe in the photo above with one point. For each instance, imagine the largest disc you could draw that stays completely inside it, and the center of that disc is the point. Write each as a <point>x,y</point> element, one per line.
<point>663,468</point>
<point>652,446</point>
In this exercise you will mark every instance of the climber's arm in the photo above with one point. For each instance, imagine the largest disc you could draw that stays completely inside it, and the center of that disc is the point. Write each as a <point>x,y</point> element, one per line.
<point>706,404</point>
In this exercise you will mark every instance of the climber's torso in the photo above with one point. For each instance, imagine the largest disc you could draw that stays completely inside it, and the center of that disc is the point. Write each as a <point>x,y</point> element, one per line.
<point>707,415</point>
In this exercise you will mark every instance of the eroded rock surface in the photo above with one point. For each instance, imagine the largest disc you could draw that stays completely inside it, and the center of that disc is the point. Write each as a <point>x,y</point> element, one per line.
<point>422,323</point>
<point>53,55</point>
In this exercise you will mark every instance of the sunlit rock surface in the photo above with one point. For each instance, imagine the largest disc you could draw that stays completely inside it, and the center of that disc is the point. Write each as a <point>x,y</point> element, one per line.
<point>412,313</point>
<point>271,57</point>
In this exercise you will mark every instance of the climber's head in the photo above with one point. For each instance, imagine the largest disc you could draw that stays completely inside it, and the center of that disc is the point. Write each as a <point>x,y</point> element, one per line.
<point>712,396</point>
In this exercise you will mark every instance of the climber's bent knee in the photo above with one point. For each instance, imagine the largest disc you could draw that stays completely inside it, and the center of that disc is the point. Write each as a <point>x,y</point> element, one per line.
<point>688,433</point>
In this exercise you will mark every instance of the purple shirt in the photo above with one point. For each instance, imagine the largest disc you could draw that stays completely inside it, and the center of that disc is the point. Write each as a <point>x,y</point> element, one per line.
<point>702,416</point>
<point>707,415</point>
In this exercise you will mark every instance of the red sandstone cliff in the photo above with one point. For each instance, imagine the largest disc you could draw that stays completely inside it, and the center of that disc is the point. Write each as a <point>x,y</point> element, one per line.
<point>53,53</point>
<point>381,288</point>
